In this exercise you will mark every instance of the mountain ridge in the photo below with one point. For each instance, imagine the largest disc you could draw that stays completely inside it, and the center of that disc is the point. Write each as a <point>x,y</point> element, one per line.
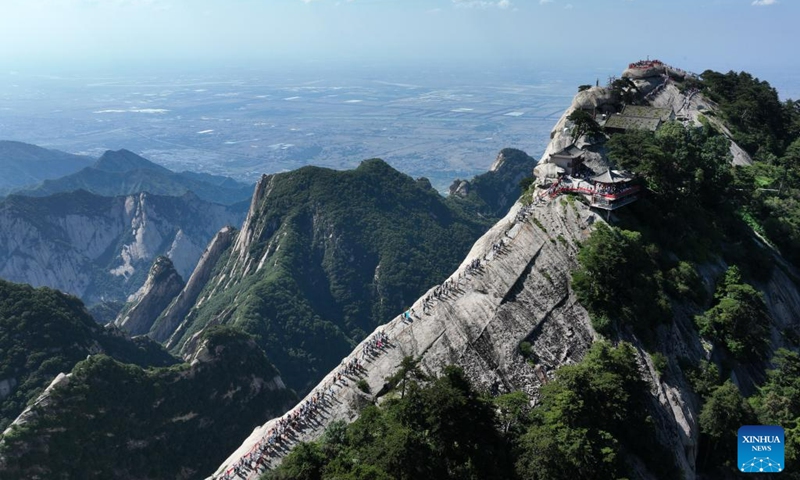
<point>123,172</point>
<point>24,164</point>
<point>329,218</point>
<point>521,293</point>
<point>162,412</point>
<point>44,332</point>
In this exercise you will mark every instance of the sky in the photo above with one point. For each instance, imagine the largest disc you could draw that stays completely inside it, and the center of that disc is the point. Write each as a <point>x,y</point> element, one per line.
<point>754,35</point>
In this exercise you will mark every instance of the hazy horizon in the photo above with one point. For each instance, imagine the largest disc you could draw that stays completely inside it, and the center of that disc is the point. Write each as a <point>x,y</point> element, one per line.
<point>436,87</point>
<point>46,36</point>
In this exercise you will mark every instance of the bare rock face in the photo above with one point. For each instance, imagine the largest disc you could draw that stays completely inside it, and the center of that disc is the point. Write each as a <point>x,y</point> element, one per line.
<point>639,73</point>
<point>99,248</point>
<point>520,292</point>
<point>654,71</point>
<point>42,400</point>
<point>459,188</point>
<point>595,97</point>
<point>171,317</point>
<point>162,285</point>
<point>649,84</point>
<point>494,192</point>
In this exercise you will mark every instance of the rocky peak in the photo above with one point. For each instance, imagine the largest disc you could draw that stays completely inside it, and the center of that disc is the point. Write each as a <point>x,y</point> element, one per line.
<point>521,291</point>
<point>459,188</point>
<point>162,285</point>
<point>250,227</point>
<point>172,317</point>
<point>492,193</point>
<point>505,155</point>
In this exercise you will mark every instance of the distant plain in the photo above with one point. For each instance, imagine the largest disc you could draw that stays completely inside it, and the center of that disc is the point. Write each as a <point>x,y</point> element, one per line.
<point>437,123</point>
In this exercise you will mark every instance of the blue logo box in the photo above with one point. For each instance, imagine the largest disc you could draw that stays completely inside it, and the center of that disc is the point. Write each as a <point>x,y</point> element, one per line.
<point>761,449</point>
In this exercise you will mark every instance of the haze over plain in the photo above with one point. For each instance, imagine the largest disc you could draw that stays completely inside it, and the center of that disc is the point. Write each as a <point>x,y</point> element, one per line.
<point>435,87</point>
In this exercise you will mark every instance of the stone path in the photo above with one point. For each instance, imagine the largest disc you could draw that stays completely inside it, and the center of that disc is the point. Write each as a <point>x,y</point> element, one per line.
<point>439,337</point>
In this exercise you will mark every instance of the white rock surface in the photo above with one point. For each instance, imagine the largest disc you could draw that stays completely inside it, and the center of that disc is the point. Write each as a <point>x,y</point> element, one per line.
<point>99,236</point>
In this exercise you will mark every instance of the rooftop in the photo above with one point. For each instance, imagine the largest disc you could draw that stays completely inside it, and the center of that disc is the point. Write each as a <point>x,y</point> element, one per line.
<point>571,151</point>
<point>612,176</point>
<point>624,122</point>
<point>647,112</point>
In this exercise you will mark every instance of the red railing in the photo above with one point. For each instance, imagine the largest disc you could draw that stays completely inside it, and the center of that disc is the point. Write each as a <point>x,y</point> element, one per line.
<point>642,64</point>
<point>588,191</point>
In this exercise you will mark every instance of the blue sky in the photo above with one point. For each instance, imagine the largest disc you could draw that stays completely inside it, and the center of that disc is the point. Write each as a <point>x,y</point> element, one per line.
<point>695,34</point>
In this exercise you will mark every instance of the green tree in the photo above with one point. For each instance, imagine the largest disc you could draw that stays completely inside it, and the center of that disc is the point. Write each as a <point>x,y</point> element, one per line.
<point>579,428</point>
<point>583,124</point>
<point>442,430</point>
<point>617,279</point>
<point>409,369</point>
<point>778,402</point>
<point>752,110</point>
<point>305,463</point>
<point>739,321</point>
<point>511,408</point>
<point>720,418</point>
<point>627,91</point>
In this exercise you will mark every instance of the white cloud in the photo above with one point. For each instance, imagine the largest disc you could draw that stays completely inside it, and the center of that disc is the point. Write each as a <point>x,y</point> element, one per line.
<point>542,2</point>
<point>764,3</point>
<point>502,4</point>
<point>568,6</point>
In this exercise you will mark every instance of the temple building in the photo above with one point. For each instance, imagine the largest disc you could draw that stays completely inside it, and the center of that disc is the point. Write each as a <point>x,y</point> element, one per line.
<point>613,189</point>
<point>569,159</point>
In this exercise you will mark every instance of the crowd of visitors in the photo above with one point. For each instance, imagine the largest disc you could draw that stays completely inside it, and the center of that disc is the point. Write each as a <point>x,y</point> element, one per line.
<point>308,415</point>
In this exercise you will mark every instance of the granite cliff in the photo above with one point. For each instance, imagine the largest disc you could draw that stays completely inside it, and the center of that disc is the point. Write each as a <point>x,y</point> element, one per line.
<point>162,285</point>
<point>100,248</point>
<point>325,257</point>
<point>521,292</point>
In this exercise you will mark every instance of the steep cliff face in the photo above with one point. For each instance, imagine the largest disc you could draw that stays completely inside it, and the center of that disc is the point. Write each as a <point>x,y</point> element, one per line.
<point>494,192</point>
<point>168,322</point>
<point>321,257</point>
<point>162,285</point>
<point>99,248</point>
<point>522,292</point>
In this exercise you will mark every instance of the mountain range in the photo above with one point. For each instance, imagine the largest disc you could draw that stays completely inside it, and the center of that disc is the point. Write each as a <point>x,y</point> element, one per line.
<point>338,251</point>
<point>122,172</point>
<point>492,333</point>
<point>94,232</point>
<point>324,256</point>
<point>22,164</point>
<point>100,248</point>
